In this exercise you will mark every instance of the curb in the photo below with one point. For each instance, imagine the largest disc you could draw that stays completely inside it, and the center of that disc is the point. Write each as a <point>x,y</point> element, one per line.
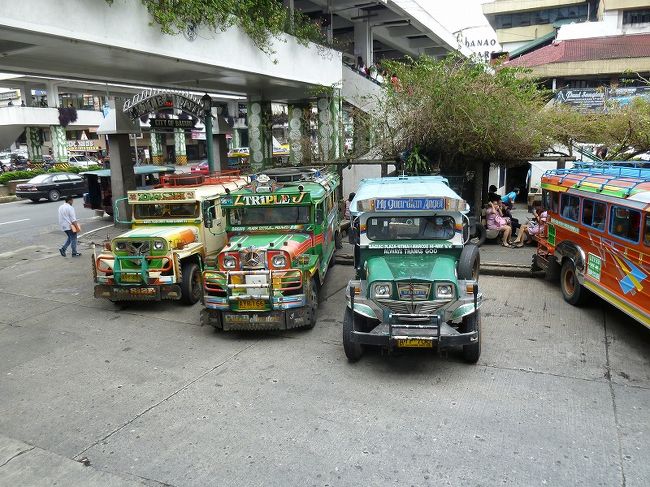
<point>8,199</point>
<point>505,270</point>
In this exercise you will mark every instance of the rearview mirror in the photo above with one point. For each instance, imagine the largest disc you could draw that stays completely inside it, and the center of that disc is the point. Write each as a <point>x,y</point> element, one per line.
<point>206,209</point>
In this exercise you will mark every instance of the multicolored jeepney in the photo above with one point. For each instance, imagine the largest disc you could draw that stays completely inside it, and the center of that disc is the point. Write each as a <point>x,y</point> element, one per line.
<point>417,278</point>
<point>174,229</point>
<point>282,233</point>
<point>596,235</point>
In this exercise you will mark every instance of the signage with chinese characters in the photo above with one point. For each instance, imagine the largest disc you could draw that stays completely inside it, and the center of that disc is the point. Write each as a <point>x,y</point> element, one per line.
<point>89,145</point>
<point>417,204</point>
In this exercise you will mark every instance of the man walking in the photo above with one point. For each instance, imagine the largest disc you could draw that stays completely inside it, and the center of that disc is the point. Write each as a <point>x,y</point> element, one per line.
<point>70,225</point>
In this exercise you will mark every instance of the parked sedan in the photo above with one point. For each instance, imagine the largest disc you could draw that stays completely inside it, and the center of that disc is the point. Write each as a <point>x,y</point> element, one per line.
<point>52,186</point>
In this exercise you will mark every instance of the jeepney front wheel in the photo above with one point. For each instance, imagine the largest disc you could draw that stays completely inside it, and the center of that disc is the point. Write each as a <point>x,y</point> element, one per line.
<point>312,303</point>
<point>353,350</point>
<point>572,290</point>
<point>191,287</point>
<point>472,352</point>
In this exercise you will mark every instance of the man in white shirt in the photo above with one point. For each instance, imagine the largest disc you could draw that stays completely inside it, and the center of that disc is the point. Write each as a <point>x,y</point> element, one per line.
<point>68,223</point>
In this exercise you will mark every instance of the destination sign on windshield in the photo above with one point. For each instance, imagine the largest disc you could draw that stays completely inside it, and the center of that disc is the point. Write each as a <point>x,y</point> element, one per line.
<point>418,204</point>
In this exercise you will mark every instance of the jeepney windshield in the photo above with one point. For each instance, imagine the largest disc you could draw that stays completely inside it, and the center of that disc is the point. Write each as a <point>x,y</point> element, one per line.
<point>433,227</point>
<point>166,210</point>
<point>269,215</point>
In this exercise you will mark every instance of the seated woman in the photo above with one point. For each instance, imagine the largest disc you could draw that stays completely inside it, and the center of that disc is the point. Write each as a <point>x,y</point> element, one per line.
<point>532,228</point>
<point>496,221</point>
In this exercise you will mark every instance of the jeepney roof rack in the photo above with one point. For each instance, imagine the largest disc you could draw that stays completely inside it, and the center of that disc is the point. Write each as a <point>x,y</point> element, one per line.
<point>291,174</point>
<point>184,180</point>
<point>605,173</point>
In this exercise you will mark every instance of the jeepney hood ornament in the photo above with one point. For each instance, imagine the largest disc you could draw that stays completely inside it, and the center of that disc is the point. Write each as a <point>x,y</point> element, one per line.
<point>292,243</point>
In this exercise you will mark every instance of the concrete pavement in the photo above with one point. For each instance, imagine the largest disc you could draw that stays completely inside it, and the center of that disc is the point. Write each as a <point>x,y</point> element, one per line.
<point>559,396</point>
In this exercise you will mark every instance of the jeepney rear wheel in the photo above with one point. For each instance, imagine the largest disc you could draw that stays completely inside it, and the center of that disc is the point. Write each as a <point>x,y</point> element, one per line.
<point>472,352</point>
<point>572,290</point>
<point>353,351</point>
<point>312,303</point>
<point>191,288</point>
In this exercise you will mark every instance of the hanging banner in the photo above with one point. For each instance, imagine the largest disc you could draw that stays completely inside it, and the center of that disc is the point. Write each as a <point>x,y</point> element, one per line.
<point>152,100</point>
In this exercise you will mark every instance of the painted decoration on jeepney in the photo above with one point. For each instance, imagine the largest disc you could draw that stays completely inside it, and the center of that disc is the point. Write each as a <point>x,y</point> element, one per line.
<point>566,226</point>
<point>263,199</point>
<point>594,266</point>
<point>551,234</point>
<point>418,204</point>
<point>161,196</point>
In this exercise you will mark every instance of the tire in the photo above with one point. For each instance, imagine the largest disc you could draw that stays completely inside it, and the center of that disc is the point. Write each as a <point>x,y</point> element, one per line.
<point>353,351</point>
<point>35,200</point>
<point>337,240</point>
<point>479,236</point>
<point>54,195</point>
<point>191,286</point>
<point>472,352</point>
<point>573,292</point>
<point>312,303</point>
<point>469,263</point>
<point>553,270</point>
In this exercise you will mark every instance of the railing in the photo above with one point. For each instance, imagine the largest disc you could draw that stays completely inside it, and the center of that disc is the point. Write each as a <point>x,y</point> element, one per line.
<point>182,180</point>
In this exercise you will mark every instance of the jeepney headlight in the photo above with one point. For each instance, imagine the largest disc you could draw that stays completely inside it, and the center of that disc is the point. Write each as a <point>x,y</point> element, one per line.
<point>158,245</point>
<point>381,290</point>
<point>444,291</point>
<point>229,262</point>
<point>120,246</point>
<point>279,260</point>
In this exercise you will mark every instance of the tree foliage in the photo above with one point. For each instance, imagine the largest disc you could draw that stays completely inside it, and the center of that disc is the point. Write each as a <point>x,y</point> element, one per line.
<point>261,20</point>
<point>455,109</point>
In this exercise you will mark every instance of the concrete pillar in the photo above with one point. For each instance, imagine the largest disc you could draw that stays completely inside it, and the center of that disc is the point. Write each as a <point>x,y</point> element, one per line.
<point>59,143</point>
<point>329,126</point>
<point>52,94</point>
<point>34,144</point>
<point>260,135</point>
<point>180,150</point>
<point>363,41</point>
<point>26,95</point>
<point>122,174</point>
<point>220,145</point>
<point>299,143</point>
<point>157,156</point>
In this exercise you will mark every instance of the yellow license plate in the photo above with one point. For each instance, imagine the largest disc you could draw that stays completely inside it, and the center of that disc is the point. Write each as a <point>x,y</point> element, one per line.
<point>131,278</point>
<point>257,304</point>
<point>414,343</point>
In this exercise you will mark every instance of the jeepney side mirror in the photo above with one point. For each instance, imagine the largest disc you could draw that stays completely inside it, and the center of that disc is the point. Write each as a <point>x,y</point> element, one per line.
<point>206,208</point>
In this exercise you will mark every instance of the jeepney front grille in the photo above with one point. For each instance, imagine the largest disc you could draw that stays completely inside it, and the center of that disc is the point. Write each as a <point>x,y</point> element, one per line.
<point>412,308</point>
<point>138,247</point>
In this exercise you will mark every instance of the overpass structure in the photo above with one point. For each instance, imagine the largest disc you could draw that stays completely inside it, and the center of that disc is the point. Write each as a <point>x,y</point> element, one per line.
<point>117,49</point>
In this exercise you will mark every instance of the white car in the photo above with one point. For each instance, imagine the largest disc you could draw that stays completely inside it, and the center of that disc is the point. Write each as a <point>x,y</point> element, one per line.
<point>81,161</point>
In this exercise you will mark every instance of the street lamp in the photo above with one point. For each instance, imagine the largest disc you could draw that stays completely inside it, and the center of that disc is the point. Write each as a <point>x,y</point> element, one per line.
<point>206,101</point>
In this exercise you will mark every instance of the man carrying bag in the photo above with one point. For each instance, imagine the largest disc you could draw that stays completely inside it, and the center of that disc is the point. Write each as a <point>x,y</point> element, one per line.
<point>70,225</point>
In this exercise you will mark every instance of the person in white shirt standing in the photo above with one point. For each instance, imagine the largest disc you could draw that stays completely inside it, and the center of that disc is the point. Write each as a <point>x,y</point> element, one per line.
<point>70,225</point>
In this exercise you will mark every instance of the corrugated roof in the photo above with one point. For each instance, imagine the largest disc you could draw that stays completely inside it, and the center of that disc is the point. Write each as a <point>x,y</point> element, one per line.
<point>593,49</point>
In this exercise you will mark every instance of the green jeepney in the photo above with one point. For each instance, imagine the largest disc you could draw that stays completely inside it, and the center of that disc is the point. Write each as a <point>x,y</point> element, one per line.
<point>282,229</point>
<point>417,278</point>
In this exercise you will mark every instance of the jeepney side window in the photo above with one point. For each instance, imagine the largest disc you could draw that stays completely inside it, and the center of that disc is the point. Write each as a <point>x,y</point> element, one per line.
<point>594,214</point>
<point>625,223</point>
<point>570,206</point>
<point>320,213</point>
<point>646,235</point>
<point>549,199</point>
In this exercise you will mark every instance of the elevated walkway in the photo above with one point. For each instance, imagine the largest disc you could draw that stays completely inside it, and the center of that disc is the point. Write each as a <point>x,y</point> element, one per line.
<point>359,91</point>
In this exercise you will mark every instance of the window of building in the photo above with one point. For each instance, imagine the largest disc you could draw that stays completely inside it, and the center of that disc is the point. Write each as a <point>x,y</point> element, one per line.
<point>546,16</point>
<point>636,16</point>
<point>570,206</point>
<point>625,223</point>
<point>594,214</point>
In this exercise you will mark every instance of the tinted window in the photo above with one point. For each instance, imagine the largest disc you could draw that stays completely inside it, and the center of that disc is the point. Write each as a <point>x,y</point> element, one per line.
<point>166,210</point>
<point>75,179</point>
<point>59,178</point>
<point>646,235</point>
<point>594,214</point>
<point>625,223</point>
<point>410,228</point>
<point>570,206</point>
<point>41,178</point>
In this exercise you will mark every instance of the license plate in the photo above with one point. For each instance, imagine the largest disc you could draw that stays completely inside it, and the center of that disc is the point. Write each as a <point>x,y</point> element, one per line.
<point>131,278</point>
<point>254,304</point>
<point>414,343</point>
